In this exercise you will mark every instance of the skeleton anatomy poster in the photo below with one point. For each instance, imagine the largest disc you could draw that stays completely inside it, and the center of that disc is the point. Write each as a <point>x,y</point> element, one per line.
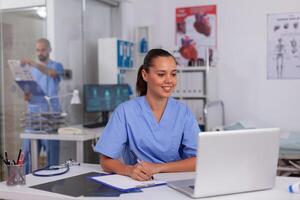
<point>196,29</point>
<point>283,53</point>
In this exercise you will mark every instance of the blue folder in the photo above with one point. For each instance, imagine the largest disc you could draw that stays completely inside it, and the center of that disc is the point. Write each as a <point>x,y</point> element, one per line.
<point>31,87</point>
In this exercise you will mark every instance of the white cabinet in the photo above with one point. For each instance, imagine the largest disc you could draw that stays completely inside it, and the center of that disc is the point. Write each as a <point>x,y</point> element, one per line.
<point>113,56</point>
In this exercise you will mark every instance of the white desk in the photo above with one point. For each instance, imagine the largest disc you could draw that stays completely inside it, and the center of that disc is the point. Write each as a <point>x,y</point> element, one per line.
<point>87,134</point>
<point>279,192</point>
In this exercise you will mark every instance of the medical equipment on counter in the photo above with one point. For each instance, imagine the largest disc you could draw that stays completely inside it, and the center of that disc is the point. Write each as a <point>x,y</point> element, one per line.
<point>294,188</point>
<point>58,169</point>
<point>69,131</point>
<point>44,121</point>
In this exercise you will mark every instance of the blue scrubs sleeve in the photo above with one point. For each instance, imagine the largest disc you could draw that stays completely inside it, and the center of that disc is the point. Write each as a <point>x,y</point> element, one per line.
<point>114,136</point>
<point>59,70</point>
<point>190,136</point>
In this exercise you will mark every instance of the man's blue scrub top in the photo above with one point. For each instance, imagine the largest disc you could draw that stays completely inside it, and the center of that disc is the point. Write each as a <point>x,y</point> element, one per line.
<point>133,133</point>
<point>49,86</point>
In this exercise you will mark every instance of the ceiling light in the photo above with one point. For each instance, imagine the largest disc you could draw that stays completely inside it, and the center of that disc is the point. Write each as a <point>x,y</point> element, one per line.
<point>41,11</point>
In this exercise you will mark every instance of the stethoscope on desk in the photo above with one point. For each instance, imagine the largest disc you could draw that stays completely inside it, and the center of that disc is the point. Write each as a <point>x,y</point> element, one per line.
<point>65,167</point>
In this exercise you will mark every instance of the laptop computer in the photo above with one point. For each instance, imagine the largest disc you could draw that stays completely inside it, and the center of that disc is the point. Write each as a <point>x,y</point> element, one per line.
<point>231,162</point>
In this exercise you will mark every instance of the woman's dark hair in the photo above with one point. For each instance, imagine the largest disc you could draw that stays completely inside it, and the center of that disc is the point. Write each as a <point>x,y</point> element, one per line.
<point>141,85</point>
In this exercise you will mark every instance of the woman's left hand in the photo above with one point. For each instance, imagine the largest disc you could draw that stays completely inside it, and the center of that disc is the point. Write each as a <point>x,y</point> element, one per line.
<point>152,167</point>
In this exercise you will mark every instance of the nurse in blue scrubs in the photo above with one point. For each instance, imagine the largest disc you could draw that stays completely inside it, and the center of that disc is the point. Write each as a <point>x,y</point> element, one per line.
<point>48,74</point>
<point>152,133</point>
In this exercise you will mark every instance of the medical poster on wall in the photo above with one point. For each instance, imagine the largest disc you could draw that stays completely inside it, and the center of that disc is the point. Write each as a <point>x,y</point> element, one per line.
<point>283,53</point>
<point>196,34</point>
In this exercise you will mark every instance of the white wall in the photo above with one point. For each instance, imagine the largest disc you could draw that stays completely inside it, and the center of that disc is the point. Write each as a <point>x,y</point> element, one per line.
<point>242,69</point>
<point>97,25</point>
<point>242,83</point>
<point>11,4</point>
<point>64,30</point>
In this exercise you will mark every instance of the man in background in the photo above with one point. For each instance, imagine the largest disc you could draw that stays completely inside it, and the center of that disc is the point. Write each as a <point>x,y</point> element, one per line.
<point>48,74</point>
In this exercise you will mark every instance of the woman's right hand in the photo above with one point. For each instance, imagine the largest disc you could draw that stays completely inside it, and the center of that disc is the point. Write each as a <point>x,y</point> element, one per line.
<point>138,172</point>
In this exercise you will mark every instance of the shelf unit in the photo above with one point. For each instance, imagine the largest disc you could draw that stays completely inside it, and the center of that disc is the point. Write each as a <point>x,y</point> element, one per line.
<point>186,88</point>
<point>193,88</point>
<point>143,42</point>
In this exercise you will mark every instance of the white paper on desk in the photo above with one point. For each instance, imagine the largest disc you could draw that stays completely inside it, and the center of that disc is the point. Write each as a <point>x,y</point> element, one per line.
<point>125,182</point>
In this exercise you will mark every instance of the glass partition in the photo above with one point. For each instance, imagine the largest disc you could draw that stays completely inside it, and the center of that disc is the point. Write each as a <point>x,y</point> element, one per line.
<point>19,30</point>
<point>73,27</point>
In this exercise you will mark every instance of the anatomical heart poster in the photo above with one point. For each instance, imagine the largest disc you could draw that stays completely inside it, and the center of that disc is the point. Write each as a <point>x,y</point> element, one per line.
<point>196,35</point>
<point>283,46</point>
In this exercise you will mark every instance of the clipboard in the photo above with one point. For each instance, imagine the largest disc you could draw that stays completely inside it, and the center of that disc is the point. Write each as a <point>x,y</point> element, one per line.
<point>24,79</point>
<point>125,183</point>
<point>31,87</point>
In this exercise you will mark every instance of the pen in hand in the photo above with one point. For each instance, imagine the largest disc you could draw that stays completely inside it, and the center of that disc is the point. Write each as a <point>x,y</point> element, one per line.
<point>140,162</point>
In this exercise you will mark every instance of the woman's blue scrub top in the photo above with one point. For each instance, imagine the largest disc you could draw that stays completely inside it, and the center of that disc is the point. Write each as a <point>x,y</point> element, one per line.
<point>133,133</point>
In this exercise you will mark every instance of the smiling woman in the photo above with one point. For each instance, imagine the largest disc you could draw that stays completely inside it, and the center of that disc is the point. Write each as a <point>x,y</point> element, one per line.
<point>161,77</point>
<point>157,75</point>
<point>152,133</point>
